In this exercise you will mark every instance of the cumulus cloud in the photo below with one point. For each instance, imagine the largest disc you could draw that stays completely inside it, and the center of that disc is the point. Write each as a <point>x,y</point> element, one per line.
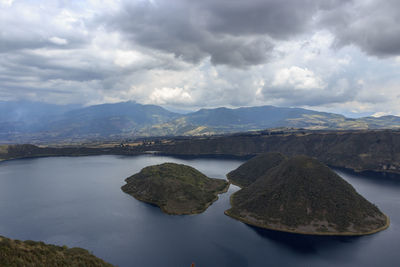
<point>58,41</point>
<point>170,96</point>
<point>380,114</point>
<point>311,97</point>
<point>295,86</point>
<point>297,78</point>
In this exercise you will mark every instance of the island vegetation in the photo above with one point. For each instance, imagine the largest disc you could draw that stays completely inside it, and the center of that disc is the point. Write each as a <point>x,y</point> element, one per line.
<point>252,169</point>
<point>176,188</point>
<point>31,253</point>
<point>302,195</point>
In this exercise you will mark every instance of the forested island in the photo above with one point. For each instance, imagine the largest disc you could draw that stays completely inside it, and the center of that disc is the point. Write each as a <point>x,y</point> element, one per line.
<point>176,188</point>
<point>251,170</point>
<point>301,195</point>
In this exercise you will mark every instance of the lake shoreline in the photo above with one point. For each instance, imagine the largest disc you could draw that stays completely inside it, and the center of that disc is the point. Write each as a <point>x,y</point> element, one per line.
<point>206,205</point>
<point>229,214</point>
<point>199,156</point>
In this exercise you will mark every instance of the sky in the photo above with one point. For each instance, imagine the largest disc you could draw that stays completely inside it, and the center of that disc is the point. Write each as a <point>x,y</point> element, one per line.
<point>339,56</point>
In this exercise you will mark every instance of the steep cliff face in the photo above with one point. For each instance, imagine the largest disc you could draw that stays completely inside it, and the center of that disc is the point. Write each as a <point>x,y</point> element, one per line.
<point>356,150</point>
<point>360,151</point>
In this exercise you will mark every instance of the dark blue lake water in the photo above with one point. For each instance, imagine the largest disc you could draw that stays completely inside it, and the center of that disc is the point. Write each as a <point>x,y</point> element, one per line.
<point>77,201</point>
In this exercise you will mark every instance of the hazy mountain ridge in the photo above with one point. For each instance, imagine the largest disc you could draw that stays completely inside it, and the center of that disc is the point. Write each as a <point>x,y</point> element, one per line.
<point>225,120</point>
<point>39,122</point>
<point>109,119</point>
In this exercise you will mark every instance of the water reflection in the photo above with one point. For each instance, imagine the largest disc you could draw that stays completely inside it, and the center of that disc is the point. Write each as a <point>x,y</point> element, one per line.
<point>380,179</point>
<point>232,257</point>
<point>305,244</point>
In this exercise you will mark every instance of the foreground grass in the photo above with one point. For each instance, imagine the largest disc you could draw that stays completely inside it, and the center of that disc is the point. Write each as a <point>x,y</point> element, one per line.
<point>30,253</point>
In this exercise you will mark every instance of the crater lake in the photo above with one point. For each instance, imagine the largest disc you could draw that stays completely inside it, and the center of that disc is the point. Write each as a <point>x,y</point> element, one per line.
<point>78,201</point>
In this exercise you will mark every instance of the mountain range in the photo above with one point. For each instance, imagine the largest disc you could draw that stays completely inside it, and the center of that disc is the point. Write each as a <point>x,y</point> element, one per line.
<point>34,122</point>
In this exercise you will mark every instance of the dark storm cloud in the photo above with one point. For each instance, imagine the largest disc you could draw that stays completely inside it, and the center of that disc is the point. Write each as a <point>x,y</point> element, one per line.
<point>278,19</point>
<point>33,41</point>
<point>235,33</point>
<point>24,64</point>
<point>371,25</point>
<point>9,45</point>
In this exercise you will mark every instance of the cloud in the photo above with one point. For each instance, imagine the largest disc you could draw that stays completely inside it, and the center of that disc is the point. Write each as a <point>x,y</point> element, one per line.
<point>295,86</point>
<point>259,17</point>
<point>27,25</point>
<point>203,53</point>
<point>6,2</point>
<point>167,95</point>
<point>233,33</point>
<point>58,41</point>
<point>297,78</point>
<point>380,114</point>
<point>371,25</point>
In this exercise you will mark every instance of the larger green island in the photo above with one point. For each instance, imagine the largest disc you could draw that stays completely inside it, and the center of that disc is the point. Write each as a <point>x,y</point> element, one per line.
<point>176,188</point>
<point>251,170</point>
<point>301,195</point>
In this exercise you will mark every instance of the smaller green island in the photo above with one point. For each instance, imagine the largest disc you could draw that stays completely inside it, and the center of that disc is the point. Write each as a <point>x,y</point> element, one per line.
<point>176,188</point>
<point>32,253</point>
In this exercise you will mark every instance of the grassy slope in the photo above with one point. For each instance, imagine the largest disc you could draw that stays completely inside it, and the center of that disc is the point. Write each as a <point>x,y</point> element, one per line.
<point>175,188</point>
<point>252,169</point>
<point>220,121</point>
<point>3,152</point>
<point>31,253</point>
<point>303,195</point>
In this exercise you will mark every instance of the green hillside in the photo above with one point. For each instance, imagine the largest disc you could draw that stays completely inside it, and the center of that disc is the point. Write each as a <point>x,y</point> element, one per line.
<point>31,253</point>
<point>252,169</point>
<point>303,195</point>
